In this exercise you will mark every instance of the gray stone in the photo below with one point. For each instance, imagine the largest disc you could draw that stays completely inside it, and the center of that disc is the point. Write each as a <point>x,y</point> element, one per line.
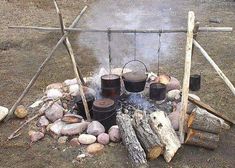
<point>3,112</point>
<point>56,127</point>
<point>114,134</point>
<point>74,129</point>
<point>95,128</point>
<point>54,112</point>
<point>103,138</point>
<point>42,122</point>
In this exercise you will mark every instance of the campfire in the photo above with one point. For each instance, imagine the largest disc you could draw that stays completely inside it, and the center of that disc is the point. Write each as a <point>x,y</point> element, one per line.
<point>151,113</point>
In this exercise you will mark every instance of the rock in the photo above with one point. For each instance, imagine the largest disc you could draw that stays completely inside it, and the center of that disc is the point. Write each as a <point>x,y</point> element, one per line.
<point>103,138</point>
<point>95,148</point>
<point>54,112</point>
<point>54,93</point>
<point>35,136</point>
<point>62,140</point>
<point>74,142</point>
<point>173,95</point>
<point>70,81</point>
<point>95,128</point>
<point>72,118</point>
<point>74,129</point>
<point>173,84</point>
<point>42,122</point>
<point>3,112</point>
<point>21,112</point>
<point>74,89</point>
<point>191,106</point>
<point>86,139</point>
<point>36,103</point>
<point>81,156</point>
<point>58,86</point>
<point>174,117</point>
<point>56,127</point>
<point>114,134</point>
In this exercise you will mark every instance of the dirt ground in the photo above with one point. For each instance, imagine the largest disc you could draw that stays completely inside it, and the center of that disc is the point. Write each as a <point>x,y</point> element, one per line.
<point>22,51</point>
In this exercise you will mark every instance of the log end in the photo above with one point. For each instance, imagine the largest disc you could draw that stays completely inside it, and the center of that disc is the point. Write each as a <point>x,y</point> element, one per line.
<point>154,153</point>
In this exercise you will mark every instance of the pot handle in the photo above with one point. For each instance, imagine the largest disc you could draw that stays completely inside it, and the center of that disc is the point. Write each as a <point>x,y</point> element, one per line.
<point>146,69</point>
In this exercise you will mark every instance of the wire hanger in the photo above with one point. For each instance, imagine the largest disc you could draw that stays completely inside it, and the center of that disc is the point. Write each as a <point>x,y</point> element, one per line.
<point>158,53</point>
<point>109,48</point>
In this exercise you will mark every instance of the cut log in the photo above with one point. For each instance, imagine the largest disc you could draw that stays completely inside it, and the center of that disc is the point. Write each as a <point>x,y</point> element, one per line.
<point>202,139</point>
<point>148,139</point>
<point>210,109</point>
<point>161,125</point>
<point>129,138</point>
<point>200,119</point>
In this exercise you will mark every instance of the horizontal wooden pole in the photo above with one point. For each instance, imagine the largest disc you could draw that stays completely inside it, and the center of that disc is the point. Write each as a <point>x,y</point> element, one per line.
<point>177,30</point>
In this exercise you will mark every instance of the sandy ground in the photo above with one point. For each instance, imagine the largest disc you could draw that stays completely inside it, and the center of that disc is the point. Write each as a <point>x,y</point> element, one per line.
<point>22,51</point>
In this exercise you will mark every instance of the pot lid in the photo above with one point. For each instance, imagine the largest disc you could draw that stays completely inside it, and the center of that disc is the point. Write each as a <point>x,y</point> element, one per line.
<point>137,76</point>
<point>110,77</point>
<point>103,104</point>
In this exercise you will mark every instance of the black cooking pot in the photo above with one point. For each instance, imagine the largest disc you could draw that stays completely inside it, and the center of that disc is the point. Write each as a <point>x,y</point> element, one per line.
<point>134,81</point>
<point>110,86</point>
<point>157,91</point>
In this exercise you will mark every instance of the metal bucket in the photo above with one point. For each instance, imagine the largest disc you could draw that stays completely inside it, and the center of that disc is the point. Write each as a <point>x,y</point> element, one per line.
<point>104,111</point>
<point>110,86</point>
<point>157,91</point>
<point>195,82</point>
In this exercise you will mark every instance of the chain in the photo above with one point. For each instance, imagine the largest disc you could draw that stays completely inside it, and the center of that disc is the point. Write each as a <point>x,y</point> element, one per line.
<point>158,53</point>
<point>109,48</point>
<point>135,46</point>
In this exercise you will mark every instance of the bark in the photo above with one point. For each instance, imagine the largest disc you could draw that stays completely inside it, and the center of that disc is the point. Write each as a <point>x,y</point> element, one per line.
<point>202,139</point>
<point>161,125</point>
<point>148,139</point>
<point>136,152</point>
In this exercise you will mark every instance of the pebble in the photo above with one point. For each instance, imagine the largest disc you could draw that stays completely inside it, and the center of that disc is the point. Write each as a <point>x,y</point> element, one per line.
<point>95,148</point>
<point>81,156</point>
<point>3,112</point>
<point>35,135</point>
<point>95,128</point>
<point>56,127</point>
<point>62,140</point>
<point>21,112</point>
<point>54,112</point>
<point>74,142</point>
<point>72,118</point>
<point>74,129</point>
<point>86,139</point>
<point>42,122</point>
<point>103,138</point>
<point>114,134</point>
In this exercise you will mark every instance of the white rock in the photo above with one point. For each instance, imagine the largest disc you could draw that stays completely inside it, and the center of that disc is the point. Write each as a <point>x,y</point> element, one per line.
<point>57,126</point>
<point>86,139</point>
<point>54,93</point>
<point>173,95</point>
<point>74,129</point>
<point>70,81</point>
<point>81,156</point>
<point>95,128</point>
<point>74,89</point>
<point>54,112</point>
<point>114,134</point>
<point>3,112</point>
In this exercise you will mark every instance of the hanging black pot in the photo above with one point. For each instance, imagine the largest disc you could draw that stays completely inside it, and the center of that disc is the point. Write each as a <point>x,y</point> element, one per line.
<point>110,86</point>
<point>134,81</point>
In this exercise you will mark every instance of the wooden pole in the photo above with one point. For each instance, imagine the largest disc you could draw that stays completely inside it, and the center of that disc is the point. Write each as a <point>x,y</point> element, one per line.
<point>71,53</point>
<point>175,30</point>
<point>32,81</point>
<point>210,109</point>
<point>185,89</point>
<point>217,69</point>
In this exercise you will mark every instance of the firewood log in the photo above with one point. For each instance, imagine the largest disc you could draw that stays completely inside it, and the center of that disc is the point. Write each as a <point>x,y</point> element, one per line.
<point>148,139</point>
<point>202,139</point>
<point>136,152</point>
<point>161,125</point>
<point>202,120</point>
